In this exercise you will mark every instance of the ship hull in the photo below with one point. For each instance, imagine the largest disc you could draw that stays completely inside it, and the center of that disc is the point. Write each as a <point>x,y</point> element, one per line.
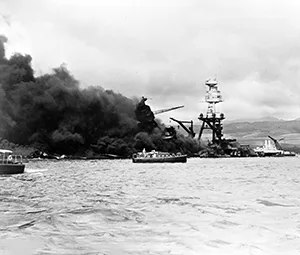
<point>275,154</point>
<point>12,168</point>
<point>177,159</point>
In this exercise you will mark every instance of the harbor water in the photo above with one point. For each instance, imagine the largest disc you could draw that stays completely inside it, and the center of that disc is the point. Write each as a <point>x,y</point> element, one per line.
<point>206,206</point>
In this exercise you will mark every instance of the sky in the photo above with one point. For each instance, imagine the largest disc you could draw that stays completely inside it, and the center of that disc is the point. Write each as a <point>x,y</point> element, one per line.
<point>166,49</point>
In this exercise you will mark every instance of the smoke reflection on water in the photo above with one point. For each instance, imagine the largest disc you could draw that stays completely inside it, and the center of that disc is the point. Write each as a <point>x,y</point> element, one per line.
<point>207,206</point>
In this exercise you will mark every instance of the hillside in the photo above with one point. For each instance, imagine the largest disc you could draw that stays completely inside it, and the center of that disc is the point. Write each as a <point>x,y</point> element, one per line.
<point>254,133</point>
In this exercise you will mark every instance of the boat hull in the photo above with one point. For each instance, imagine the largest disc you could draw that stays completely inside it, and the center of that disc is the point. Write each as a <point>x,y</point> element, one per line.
<point>12,168</point>
<point>275,154</point>
<point>177,159</point>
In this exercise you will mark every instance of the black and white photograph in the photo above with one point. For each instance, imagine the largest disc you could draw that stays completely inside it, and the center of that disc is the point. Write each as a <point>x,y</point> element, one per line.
<point>149,127</point>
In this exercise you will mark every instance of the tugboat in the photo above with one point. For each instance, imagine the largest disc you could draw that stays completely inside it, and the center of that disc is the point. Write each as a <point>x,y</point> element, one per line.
<point>158,157</point>
<point>10,164</point>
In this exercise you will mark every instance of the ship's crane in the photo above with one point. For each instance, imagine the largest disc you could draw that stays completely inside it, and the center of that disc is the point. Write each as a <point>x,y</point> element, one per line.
<point>189,130</point>
<point>277,145</point>
<point>167,109</point>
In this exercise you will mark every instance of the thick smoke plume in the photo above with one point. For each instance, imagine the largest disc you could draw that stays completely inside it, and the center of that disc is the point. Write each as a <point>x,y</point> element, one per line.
<point>3,40</point>
<point>53,114</point>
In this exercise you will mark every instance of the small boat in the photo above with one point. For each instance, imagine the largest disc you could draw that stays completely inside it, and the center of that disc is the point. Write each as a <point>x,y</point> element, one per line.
<point>10,164</point>
<point>269,149</point>
<point>158,157</point>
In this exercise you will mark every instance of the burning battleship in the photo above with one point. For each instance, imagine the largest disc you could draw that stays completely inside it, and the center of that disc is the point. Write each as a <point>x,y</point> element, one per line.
<point>211,122</point>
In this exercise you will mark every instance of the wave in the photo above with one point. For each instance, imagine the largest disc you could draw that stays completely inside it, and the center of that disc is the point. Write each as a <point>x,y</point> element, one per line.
<point>35,170</point>
<point>268,203</point>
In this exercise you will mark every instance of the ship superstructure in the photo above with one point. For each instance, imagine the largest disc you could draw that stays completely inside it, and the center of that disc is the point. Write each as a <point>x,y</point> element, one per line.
<point>212,120</point>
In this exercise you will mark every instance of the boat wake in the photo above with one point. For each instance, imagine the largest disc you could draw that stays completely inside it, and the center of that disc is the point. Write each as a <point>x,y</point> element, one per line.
<point>35,170</point>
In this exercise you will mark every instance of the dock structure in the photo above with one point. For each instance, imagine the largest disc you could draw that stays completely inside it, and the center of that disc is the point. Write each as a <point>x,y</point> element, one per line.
<point>212,120</point>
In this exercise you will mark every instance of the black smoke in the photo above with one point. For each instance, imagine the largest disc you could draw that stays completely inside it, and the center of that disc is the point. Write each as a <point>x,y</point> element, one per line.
<point>53,114</point>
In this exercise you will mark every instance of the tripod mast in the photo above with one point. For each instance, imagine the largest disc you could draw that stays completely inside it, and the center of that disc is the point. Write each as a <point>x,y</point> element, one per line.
<point>212,119</point>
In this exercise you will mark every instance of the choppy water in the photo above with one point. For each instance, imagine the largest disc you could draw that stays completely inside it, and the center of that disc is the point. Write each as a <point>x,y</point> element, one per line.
<point>206,206</point>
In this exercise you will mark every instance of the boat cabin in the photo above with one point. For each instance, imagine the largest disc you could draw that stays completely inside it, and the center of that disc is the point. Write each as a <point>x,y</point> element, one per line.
<point>7,157</point>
